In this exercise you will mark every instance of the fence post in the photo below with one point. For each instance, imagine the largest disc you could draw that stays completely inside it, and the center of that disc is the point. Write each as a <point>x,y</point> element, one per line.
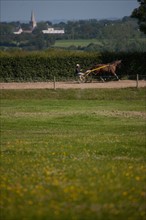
<point>137,79</point>
<point>54,83</point>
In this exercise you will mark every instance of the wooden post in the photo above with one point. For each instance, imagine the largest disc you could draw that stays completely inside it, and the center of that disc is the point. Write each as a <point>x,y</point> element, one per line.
<point>54,83</point>
<point>137,79</point>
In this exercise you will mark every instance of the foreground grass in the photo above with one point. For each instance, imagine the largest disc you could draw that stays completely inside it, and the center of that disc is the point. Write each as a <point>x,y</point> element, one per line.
<point>73,154</point>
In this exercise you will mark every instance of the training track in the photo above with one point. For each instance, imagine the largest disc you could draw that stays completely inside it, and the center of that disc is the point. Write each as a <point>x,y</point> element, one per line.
<point>73,85</point>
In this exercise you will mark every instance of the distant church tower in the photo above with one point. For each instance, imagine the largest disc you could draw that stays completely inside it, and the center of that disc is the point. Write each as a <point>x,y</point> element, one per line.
<point>33,23</point>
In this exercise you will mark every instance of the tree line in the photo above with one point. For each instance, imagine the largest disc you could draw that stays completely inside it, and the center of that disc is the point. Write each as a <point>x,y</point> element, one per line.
<point>114,35</point>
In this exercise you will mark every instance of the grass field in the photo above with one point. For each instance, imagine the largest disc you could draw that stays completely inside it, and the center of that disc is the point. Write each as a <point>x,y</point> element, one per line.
<point>79,42</point>
<point>86,42</point>
<point>73,154</point>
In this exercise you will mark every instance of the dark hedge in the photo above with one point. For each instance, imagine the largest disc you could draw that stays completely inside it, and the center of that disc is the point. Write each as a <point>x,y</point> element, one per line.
<point>43,66</point>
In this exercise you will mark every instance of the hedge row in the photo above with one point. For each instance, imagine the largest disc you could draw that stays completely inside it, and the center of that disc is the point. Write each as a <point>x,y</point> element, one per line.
<point>43,66</point>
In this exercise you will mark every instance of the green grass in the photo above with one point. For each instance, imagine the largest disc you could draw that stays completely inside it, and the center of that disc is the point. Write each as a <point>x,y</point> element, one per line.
<point>79,42</point>
<point>86,42</point>
<point>73,154</point>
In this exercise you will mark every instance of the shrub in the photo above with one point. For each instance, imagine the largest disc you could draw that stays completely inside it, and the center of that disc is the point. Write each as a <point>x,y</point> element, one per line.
<point>43,66</point>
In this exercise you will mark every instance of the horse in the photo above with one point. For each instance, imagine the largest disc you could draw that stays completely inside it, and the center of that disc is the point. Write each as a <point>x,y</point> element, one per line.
<point>98,69</point>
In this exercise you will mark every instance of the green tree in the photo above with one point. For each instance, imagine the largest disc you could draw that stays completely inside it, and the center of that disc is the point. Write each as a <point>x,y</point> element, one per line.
<point>140,14</point>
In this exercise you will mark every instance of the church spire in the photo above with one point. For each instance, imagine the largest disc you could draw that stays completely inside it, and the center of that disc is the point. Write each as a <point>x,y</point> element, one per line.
<point>33,21</point>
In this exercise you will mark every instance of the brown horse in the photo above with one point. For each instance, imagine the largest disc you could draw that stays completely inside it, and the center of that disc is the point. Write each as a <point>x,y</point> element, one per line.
<point>99,69</point>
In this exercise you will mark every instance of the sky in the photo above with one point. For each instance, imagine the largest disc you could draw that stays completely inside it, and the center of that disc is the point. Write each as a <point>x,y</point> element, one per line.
<point>49,10</point>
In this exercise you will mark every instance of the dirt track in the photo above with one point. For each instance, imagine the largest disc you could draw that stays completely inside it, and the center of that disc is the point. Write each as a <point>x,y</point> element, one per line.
<point>73,85</point>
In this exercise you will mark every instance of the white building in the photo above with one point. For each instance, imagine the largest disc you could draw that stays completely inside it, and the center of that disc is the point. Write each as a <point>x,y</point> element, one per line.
<point>19,31</point>
<point>53,31</point>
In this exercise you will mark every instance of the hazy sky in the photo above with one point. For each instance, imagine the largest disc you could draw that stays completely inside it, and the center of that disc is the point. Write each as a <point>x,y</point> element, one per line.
<point>48,10</point>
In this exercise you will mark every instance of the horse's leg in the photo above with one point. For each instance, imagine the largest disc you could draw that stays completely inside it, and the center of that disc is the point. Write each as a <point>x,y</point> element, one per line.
<point>113,72</point>
<point>102,79</point>
<point>117,77</point>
